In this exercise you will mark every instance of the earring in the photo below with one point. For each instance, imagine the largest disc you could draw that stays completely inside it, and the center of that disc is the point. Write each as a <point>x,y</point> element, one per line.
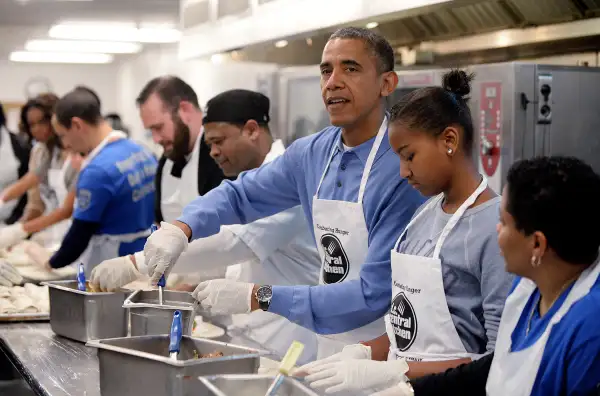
<point>450,151</point>
<point>535,261</point>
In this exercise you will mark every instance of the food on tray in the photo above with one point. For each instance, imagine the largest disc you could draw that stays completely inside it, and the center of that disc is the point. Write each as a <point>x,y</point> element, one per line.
<point>208,355</point>
<point>30,299</point>
<point>7,307</point>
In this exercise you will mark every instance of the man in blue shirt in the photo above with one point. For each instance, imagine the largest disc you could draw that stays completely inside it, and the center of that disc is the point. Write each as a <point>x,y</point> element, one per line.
<point>114,207</point>
<point>347,180</point>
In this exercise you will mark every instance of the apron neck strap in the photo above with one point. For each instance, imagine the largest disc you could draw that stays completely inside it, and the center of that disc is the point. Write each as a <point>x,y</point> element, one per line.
<point>453,220</point>
<point>368,165</point>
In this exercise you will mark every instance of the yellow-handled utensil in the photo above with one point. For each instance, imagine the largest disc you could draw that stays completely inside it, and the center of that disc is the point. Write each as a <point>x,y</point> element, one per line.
<point>287,364</point>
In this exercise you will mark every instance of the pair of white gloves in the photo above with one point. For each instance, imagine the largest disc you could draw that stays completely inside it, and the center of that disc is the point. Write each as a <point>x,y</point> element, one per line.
<point>162,249</point>
<point>10,236</point>
<point>352,371</point>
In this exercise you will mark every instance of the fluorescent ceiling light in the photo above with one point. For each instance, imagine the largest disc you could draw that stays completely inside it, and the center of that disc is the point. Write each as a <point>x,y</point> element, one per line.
<point>59,57</point>
<point>114,31</point>
<point>217,58</point>
<point>105,47</point>
<point>372,25</point>
<point>281,43</point>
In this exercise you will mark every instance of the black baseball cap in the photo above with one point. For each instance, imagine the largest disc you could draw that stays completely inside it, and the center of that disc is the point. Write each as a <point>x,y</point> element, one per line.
<point>238,106</point>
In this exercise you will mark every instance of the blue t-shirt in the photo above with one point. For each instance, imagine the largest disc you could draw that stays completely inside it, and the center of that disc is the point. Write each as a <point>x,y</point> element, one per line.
<point>570,363</point>
<point>116,190</point>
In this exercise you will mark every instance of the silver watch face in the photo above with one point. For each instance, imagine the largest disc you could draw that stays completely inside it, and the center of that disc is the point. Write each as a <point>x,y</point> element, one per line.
<point>264,294</point>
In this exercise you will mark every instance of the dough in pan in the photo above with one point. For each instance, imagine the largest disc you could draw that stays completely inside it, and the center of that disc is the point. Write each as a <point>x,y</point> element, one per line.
<point>25,304</point>
<point>7,307</point>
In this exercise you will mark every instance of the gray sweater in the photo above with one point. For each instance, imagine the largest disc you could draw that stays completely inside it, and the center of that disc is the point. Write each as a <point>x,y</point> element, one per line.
<point>475,280</point>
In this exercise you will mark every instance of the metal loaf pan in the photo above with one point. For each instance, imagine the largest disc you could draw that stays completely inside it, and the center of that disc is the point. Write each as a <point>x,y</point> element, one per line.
<point>85,316</point>
<point>140,366</point>
<point>148,317</point>
<point>250,385</point>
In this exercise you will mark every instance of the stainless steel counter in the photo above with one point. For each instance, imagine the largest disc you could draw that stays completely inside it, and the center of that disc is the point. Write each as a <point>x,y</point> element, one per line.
<point>51,365</point>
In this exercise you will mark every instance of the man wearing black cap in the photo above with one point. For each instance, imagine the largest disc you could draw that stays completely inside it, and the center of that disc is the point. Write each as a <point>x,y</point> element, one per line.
<point>278,249</point>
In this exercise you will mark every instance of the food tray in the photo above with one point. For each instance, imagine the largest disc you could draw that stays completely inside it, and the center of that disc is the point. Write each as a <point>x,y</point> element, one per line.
<point>25,317</point>
<point>250,385</point>
<point>140,366</point>
<point>84,316</point>
<point>148,317</point>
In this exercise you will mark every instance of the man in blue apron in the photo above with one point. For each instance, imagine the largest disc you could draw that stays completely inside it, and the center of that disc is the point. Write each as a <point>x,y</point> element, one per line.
<point>115,188</point>
<point>345,178</point>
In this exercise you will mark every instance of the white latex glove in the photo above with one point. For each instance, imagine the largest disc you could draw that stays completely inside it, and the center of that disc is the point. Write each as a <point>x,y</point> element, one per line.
<point>356,375</point>
<point>353,351</point>
<point>9,276</point>
<point>162,250</point>
<point>402,389</point>
<point>113,274</point>
<point>224,296</point>
<point>12,235</point>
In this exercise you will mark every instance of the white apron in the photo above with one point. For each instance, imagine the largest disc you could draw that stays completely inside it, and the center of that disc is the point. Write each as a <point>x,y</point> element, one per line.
<point>342,240</point>
<point>508,374</point>
<point>9,171</point>
<point>57,182</point>
<point>419,324</point>
<point>177,193</point>
<point>103,246</point>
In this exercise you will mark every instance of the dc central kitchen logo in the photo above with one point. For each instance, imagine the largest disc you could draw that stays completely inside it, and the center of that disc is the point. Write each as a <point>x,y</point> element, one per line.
<point>335,265</point>
<point>404,322</point>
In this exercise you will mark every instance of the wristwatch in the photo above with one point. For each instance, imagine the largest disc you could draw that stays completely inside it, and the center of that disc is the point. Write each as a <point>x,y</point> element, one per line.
<point>263,296</point>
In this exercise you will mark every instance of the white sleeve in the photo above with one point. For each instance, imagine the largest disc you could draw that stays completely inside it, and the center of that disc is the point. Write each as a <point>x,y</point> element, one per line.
<point>215,252</point>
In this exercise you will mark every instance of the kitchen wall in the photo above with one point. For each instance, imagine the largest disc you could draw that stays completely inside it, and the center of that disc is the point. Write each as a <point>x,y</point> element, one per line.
<point>62,78</point>
<point>207,78</point>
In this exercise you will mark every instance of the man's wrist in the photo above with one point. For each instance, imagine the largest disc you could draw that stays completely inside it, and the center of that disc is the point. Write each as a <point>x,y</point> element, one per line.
<point>185,228</point>
<point>254,305</point>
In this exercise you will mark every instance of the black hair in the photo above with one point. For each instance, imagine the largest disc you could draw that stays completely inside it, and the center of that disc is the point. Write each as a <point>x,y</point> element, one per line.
<point>2,116</point>
<point>91,92</point>
<point>558,197</point>
<point>80,103</point>
<point>171,90</point>
<point>376,43</point>
<point>46,103</point>
<point>433,109</point>
<point>116,122</point>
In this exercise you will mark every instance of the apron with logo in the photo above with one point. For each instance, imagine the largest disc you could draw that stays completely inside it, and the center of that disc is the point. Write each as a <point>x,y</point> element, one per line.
<point>514,373</point>
<point>9,171</point>
<point>104,246</point>
<point>177,193</point>
<point>342,240</point>
<point>419,324</point>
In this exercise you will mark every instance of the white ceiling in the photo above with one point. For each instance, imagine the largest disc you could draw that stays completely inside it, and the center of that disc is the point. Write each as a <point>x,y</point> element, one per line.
<point>21,20</point>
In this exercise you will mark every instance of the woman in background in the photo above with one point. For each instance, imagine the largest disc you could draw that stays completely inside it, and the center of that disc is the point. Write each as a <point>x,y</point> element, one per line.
<point>35,206</point>
<point>549,340</point>
<point>54,172</point>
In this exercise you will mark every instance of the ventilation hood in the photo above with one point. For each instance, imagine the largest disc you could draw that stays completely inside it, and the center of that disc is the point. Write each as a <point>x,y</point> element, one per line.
<point>450,32</point>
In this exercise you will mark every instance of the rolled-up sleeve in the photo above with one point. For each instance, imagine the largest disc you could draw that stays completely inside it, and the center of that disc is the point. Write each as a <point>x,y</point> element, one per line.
<point>326,309</point>
<point>253,195</point>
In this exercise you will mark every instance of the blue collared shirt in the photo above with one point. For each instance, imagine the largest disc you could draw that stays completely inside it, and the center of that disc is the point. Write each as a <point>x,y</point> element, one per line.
<point>292,179</point>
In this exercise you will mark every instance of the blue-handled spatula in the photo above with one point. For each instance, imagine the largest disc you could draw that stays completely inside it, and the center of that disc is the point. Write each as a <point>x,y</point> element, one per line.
<point>162,281</point>
<point>175,336</point>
